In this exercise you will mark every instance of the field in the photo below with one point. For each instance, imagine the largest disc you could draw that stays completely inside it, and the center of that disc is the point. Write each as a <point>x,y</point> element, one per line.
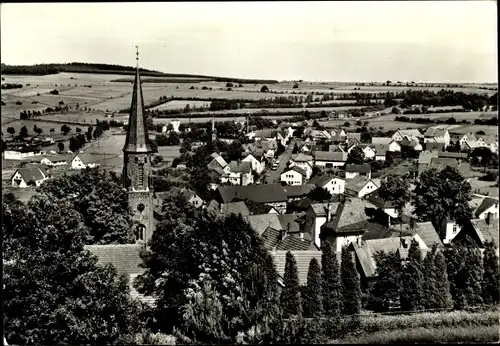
<point>176,104</point>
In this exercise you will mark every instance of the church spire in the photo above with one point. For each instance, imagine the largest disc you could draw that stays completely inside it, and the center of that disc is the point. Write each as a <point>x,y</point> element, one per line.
<point>137,134</point>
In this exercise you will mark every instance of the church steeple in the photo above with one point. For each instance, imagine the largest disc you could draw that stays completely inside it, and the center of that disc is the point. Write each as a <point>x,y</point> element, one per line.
<point>137,140</point>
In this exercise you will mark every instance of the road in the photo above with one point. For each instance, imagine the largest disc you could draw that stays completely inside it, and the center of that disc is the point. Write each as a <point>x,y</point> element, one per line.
<point>274,176</point>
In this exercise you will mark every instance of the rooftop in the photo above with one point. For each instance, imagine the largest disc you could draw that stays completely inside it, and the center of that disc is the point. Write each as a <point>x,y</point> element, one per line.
<point>339,156</point>
<point>268,193</point>
<point>358,168</point>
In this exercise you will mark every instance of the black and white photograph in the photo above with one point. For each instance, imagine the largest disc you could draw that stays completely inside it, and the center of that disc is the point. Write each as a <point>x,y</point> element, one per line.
<point>273,172</point>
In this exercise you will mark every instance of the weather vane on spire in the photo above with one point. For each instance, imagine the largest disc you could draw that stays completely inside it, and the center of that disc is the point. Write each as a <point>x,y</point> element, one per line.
<point>137,53</point>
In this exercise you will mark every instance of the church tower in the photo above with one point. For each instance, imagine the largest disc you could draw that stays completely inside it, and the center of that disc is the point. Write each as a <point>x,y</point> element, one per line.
<point>136,174</point>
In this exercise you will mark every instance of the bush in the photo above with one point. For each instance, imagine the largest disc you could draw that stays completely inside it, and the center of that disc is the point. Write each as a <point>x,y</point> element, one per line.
<point>432,335</point>
<point>54,92</point>
<point>19,103</point>
<point>490,176</point>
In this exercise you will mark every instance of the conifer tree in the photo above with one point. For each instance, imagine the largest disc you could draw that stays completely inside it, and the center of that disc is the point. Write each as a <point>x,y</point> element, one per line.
<point>331,282</point>
<point>388,285</point>
<point>290,296</point>
<point>429,286</point>
<point>444,299</point>
<point>491,282</point>
<point>313,298</point>
<point>351,290</point>
<point>474,274</point>
<point>412,280</point>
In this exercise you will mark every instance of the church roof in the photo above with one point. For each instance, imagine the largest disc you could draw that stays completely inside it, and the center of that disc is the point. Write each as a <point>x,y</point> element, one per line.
<point>137,140</point>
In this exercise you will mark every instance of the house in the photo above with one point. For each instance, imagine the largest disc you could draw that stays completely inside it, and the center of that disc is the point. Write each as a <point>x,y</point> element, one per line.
<point>388,207</point>
<point>286,224</point>
<point>269,194</point>
<point>488,207</point>
<point>316,216</point>
<point>437,135</point>
<point>293,176</point>
<point>28,176</point>
<point>330,159</point>
<point>257,165</point>
<point>77,163</point>
<point>399,135</point>
<point>433,145</point>
<point>409,143</point>
<point>480,231</point>
<point>295,192</point>
<point>462,138</point>
<point>218,165</point>
<point>365,251</point>
<point>451,155</point>
<point>332,184</point>
<point>240,173</point>
<point>190,196</point>
<point>126,259</point>
<point>354,135</point>
<point>425,231</point>
<point>347,223</point>
<point>352,171</point>
<point>380,151</point>
<point>470,145</point>
<point>336,147</point>
<point>228,208</point>
<point>303,161</point>
<point>361,186</point>
<point>318,134</point>
<point>302,258</point>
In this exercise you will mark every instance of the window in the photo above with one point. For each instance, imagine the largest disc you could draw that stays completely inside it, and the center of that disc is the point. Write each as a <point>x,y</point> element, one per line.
<point>140,232</point>
<point>140,207</point>
<point>141,175</point>
<point>454,228</point>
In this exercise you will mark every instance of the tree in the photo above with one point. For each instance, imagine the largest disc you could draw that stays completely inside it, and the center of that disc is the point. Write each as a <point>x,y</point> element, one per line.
<point>356,156</point>
<point>78,130</point>
<point>100,198</point>
<point>443,195</point>
<point>396,189</point>
<point>290,295</point>
<point>235,150</point>
<point>412,280</point>
<point>319,194</point>
<point>24,132</point>
<point>38,131</point>
<point>491,281</point>
<point>264,89</point>
<point>388,285</point>
<point>60,146</point>
<point>295,86</point>
<point>48,267</point>
<point>52,130</point>
<point>281,149</point>
<point>351,289</point>
<point>185,146</point>
<point>316,170</point>
<point>220,249</point>
<point>65,129</point>
<point>11,130</point>
<point>173,138</point>
<point>332,288</point>
<point>295,149</point>
<point>347,124</point>
<point>429,289</point>
<point>89,133</point>
<point>312,299</point>
<point>444,299</point>
<point>366,137</point>
<point>482,157</point>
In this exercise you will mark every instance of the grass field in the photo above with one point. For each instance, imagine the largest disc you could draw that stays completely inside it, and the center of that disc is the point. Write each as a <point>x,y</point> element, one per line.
<point>177,104</point>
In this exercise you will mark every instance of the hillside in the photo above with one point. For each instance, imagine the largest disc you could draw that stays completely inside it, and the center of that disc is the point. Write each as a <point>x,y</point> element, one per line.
<point>79,67</point>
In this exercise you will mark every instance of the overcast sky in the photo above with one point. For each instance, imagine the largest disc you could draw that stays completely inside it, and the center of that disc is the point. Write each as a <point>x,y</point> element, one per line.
<point>441,41</point>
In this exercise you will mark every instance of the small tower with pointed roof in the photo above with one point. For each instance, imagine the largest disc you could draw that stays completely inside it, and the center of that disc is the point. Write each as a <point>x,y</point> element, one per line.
<point>137,164</point>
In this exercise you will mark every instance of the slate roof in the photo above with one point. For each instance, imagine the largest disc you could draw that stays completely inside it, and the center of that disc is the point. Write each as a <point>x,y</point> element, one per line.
<point>271,237</point>
<point>381,149</point>
<point>322,180</point>
<point>486,232</point>
<point>297,190</point>
<point>124,257</point>
<point>381,140</point>
<point>300,157</point>
<point>358,168</point>
<point>293,243</point>
<point>425,231</point>
<point>425,156</point>
<point>240,167</point>
<point>258,193</point>
<point>32,173</point>
<point>335,147</point>
<point>262,221</point>
<point>447,154</point>
<point>434,146</point>
<point>485,205</point>
<point>235,208</point>
<point>350,216</point>
<point>289,222</point>
<point>356,184</point>
<point>330,156</point>
<point>213,207</point>
<point>367,249</point>
<point>435,132</point>
<point>217,165</point>
<point>352,141</point>
<point>410,133</point>
<point>301,257</point>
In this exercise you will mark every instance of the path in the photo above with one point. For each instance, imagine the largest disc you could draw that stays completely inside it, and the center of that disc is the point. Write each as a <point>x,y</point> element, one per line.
<point>274,176</point>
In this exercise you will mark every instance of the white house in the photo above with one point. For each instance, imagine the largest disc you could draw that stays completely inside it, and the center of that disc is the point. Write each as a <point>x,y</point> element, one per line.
<point>330,159</point>
<point>257,165</point>
<point>437,134</point>
<point>316,216</point>
<point>361,186</point>
<point>391,144</point>
<point>303,161</point>
<point>77,163</point>
<point>294,176</point>
<point>368,151</point>
<point>239,174</point>
<point>334,185</point>
<point>451,231</point>
<point>352,171</point>
<point>28,176</point>
<point>410,133</point>
<point>488,206</point>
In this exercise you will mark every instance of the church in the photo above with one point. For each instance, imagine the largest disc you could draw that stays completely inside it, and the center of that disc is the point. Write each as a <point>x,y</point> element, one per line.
<point>136,174</point>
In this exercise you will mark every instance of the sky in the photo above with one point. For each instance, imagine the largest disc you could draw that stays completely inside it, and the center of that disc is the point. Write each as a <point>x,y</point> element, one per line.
<point>431,41</point>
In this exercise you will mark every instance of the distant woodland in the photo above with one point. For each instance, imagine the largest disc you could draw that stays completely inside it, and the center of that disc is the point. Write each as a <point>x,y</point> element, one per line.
<point>79,67</point>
